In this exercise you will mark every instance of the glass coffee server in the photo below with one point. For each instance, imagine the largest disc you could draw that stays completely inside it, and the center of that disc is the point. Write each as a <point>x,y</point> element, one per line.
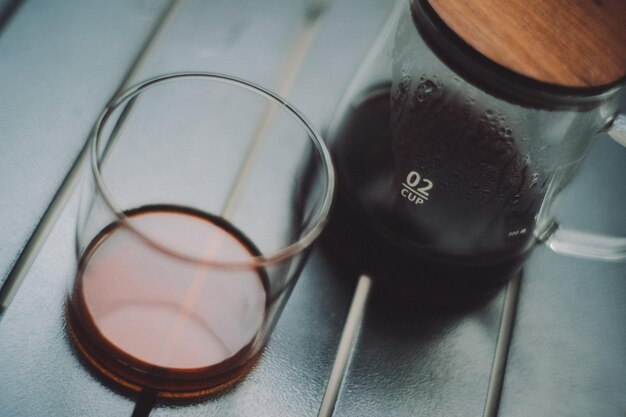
<point>462,126</point>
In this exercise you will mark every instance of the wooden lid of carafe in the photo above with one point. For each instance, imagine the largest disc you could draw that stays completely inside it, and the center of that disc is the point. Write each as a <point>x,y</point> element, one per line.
<point>565,43</point>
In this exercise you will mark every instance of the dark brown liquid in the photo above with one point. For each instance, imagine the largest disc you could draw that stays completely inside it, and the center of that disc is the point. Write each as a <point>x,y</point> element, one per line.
<point>440,199</point>
<point>154,320</point>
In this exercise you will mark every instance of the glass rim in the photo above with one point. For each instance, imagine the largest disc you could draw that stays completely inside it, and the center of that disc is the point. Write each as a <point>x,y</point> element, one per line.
<point>496,79</point>
<point>293,248</point>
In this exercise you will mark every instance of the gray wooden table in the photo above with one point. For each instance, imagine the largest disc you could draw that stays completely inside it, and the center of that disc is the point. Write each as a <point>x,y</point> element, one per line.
<point>61,61</point>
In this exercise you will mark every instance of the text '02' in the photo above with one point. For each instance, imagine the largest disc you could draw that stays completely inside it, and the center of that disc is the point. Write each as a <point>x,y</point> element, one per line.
<point>415,188</point>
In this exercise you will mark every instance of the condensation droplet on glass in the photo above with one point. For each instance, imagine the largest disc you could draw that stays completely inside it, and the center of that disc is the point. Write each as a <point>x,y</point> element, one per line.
<point>534,179</point>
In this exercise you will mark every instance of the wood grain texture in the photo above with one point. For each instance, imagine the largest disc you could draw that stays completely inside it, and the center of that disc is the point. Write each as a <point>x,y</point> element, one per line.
<point>570,43</point>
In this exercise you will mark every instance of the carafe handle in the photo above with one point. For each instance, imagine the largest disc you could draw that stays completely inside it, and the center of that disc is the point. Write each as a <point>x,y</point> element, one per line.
<point>567,241</point>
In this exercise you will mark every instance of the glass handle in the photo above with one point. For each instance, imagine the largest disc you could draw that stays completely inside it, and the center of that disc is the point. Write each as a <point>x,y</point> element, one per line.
<point>617,129</point>
<point>589,245</point>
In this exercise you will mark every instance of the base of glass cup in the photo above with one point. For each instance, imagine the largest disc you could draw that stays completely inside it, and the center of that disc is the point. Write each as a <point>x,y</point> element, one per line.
<point>173,386</point>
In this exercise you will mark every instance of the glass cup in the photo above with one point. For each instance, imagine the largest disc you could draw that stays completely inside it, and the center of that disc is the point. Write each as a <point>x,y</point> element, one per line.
<point>205,194</point>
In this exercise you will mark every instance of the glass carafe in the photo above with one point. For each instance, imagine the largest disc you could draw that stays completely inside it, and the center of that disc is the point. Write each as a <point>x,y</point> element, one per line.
<point>449,164</point>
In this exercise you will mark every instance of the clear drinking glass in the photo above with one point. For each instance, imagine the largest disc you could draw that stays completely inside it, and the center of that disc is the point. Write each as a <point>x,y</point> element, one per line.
<point>204,195</point>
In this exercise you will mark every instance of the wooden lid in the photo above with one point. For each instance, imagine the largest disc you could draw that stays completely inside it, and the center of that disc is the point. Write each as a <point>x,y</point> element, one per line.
<point>568,43</point>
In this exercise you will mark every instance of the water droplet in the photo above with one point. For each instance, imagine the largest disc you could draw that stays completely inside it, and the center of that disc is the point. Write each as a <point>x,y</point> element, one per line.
<point>426,87</point>
<point>534,180</point>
